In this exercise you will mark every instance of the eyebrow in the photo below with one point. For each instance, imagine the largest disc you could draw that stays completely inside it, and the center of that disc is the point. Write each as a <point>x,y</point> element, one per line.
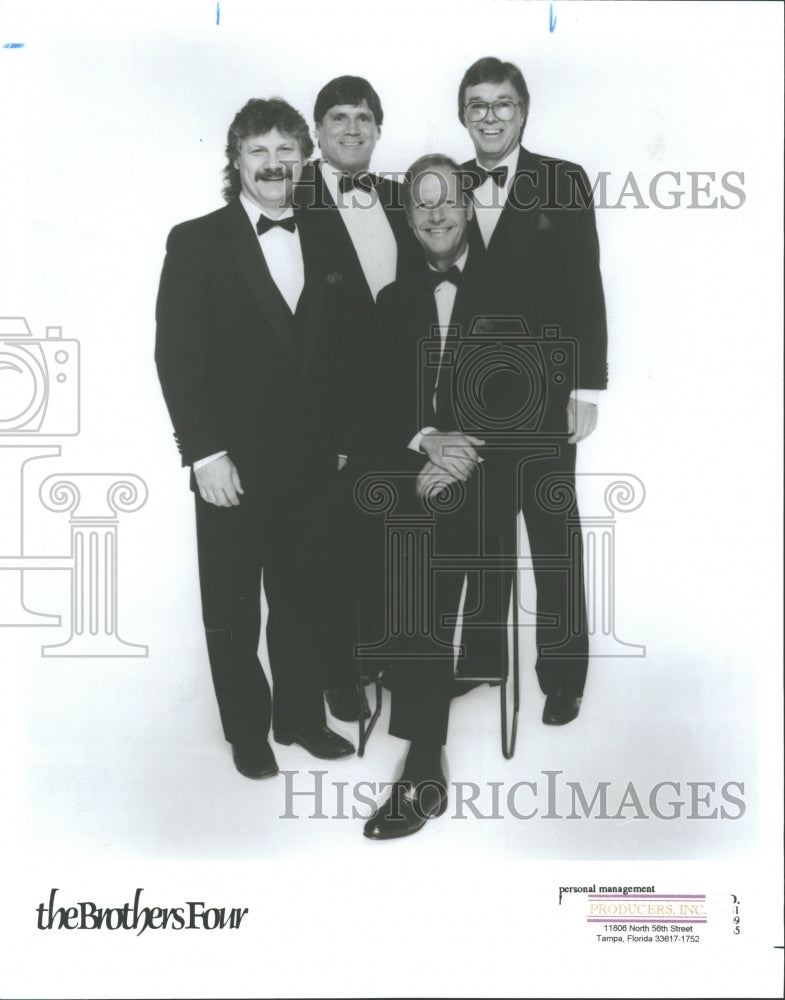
<point>499,97</point>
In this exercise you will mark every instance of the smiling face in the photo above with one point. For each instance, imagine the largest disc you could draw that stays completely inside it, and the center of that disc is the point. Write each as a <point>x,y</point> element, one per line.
<point>269,166</point>
<point>347,136</point>
<point>439,215</point>
<point>493,138</point>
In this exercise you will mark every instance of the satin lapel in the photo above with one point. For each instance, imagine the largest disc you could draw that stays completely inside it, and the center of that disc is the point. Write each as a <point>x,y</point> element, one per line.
<point>426,331</point>
<point>462,310</point>
<point>516,217</point>
<point>313,293</point>
<point>473,269</point>
<point>244,247</point>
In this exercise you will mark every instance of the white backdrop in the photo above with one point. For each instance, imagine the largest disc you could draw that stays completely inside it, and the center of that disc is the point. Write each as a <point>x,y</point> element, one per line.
<point>114,119</point>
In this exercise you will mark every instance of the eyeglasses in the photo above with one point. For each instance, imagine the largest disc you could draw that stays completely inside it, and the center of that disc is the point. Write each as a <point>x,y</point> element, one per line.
<point>503,110</point>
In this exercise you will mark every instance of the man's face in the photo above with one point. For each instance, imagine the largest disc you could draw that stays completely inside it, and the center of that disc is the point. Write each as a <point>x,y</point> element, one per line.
<point>438,216</point>
<point>493,138</point>
<point>270,165</point>
<point>347,136</point>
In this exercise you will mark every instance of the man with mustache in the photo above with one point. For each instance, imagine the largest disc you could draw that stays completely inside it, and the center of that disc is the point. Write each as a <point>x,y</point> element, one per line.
<point>248,318</point>
<point>359,219</point>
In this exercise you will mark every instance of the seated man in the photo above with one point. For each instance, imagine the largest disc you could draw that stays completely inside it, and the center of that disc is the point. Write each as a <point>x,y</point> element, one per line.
<point>476,379</point>
<point>418,420</point>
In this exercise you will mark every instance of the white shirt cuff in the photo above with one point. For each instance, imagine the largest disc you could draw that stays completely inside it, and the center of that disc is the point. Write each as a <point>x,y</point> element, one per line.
<point>210,458</point>
<point>587,395</point>
<point>416,441</point>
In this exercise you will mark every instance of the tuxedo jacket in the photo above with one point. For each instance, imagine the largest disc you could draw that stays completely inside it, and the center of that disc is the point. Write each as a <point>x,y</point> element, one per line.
<point>238,371</point>
<point>327,229</point>
<point>544,257</point>
<point>496,376</point>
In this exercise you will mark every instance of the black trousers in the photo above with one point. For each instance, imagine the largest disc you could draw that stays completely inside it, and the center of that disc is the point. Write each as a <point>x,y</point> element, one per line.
<point>539,480</point>
<point>546,494</point>
<point>353,596</point>
<point>287,541</point>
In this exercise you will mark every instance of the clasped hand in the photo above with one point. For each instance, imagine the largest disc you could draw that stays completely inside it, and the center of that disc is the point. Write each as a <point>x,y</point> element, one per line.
<point>454,452</point>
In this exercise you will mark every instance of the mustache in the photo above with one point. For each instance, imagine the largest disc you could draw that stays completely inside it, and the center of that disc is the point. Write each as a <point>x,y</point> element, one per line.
<point>282,173</point>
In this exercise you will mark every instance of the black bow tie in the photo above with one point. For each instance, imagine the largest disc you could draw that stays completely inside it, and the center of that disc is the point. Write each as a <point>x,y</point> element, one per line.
<point>480,175</point>
<point>452,274</point>
<point>265,224</point>
<point>364,181</point>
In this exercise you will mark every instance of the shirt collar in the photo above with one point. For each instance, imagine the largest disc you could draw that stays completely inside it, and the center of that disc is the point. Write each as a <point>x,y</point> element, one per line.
<point>253,211</point>
<point>460,263</point>
<point>332,177</point>
<point>510,161</point>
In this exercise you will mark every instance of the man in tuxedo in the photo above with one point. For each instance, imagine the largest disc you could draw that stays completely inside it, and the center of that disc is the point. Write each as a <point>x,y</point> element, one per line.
<point>535,218</point>
<point>359,220</point>
<point>431,328</point>
<point>248,314</point>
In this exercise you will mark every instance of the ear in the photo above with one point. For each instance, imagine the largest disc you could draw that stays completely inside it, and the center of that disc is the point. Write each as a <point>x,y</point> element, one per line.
<point>469,210</point>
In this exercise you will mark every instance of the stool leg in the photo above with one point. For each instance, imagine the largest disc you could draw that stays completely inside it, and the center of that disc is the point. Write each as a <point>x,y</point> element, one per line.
<point>365,729</point>
<point>509,737</point>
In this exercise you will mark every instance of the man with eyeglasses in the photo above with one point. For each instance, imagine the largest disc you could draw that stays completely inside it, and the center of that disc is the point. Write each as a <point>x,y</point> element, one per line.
<point>536,221</point>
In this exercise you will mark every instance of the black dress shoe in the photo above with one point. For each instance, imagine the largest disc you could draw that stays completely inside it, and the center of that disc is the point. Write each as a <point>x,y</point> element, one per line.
<point>321,742</point>
<point>408,809</point>
<point>344,703</point>
<point>254,760</point>
<point>560,708</point>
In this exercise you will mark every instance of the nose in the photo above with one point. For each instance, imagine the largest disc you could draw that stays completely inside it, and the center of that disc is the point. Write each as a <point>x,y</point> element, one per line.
<point>490,115</point>
<point>436,213</point>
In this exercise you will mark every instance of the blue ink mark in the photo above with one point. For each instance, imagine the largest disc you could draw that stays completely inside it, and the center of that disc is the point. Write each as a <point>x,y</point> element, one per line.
<point>14,45</point>
<point>551,19</point>
<point>218,13</point>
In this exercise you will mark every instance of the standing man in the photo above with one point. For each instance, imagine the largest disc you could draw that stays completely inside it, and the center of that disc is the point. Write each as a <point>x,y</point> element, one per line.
<point>359,220</point>
<point>536,220</point>
<point>247,315</point>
